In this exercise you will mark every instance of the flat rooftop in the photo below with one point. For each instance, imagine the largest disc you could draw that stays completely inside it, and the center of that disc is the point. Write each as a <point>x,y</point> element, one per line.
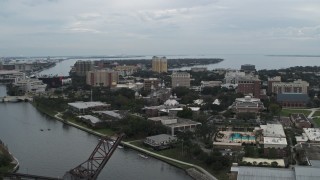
<point>161,138</point>
<point>313,134</point>
<point>273,130</point>
<point>275,141</point>
<point>85,105</point>
<point>183,122</point>
<point>115,113</point>
<point>92,119</point>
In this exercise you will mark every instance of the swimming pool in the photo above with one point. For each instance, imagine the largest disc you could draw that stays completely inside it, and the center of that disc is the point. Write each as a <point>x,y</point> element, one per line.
<point>240,137</point>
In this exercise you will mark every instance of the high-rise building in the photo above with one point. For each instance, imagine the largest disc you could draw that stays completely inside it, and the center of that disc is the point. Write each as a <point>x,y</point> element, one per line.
<point>272,80</point>
<point>82,67</point>
<point>103,78</point>
<point>159,64</point>
<point>180,79</point>
<point>249,85</point>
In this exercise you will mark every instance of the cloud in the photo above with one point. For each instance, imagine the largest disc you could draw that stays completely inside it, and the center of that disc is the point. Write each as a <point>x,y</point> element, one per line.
<point>158,26</point>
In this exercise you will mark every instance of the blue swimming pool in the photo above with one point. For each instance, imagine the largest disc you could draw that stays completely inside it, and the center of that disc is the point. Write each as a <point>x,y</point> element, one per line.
<point>238,136</point>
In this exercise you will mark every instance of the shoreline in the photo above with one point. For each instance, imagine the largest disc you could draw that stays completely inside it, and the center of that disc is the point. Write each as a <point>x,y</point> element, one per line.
<point>14,160</point>
<point>165,159</point>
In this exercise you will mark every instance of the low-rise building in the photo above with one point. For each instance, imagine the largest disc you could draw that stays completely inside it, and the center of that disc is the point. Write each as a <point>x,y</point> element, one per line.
<point>273,142</point>
<point>161,141</point>
<point>300,120</point>
<point>126,70</point>
<point>247,105</point>
<point>84,107</point>
<point>11,76</point>
<point>31,85</point>
<point>293,100</point>
<point>313,134</point>
<point>295,173</point>
<point>273,130</point>
<point>113,115</point>
<point>92,121</point>
<point>176,124</point>
<point>199,69</point>
<point>210,84</point>
<point>298,86</point>
<point>274,138</point>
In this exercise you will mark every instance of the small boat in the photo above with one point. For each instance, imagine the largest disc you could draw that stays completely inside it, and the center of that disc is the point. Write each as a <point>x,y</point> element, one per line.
<point>49,129</point>
<point>41,129</point>
<point>120,147</point>
<point>143,156</point>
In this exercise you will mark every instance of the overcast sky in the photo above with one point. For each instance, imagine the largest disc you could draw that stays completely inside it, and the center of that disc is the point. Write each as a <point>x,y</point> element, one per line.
<point>160,27</point>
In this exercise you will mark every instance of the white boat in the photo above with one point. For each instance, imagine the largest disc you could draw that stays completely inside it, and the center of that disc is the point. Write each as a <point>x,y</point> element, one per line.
<point>143,156</point>
<point>120,147</point>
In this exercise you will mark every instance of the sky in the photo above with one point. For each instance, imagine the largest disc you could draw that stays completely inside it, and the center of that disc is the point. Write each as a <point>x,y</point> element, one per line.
<point>158,27</point>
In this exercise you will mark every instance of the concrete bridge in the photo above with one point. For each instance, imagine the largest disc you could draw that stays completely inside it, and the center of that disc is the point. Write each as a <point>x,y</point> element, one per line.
<point>15,98</point>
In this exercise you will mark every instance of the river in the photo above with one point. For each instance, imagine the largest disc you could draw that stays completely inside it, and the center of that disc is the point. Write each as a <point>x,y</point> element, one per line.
<point>55,151</point>
<point>233,61</point>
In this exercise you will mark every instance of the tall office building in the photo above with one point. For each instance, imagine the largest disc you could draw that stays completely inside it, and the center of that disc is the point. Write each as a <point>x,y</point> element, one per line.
<point>82,67</point>
<point>159,64</point>
<point>180,79</point>
<point>102,78</point>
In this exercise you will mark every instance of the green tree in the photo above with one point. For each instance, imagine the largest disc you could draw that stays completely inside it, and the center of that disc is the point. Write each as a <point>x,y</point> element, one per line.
<point>185,113</point>
<point>275,109</point>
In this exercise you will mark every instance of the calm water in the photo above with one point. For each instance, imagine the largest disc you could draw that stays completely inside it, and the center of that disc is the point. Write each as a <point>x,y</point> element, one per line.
<point>53,152</point>
<point>230,61</point>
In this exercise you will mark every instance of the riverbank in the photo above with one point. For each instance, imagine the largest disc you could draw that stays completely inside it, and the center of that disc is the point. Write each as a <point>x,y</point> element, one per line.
<point>13,166</point>
<point>177,163</point>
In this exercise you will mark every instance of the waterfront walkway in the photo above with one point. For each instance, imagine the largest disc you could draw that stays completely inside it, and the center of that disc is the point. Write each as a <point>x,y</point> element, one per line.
<point>128,144</point>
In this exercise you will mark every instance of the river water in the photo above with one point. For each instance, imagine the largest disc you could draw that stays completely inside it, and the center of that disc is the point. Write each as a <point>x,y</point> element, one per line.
<point>55,151</point>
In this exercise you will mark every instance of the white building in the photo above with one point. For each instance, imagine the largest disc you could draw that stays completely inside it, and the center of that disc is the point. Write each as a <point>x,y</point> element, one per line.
<point>83,107</point>
<point>273,130</point>
<point>247,104</point>
<point>313,134</point>
<point>31,85</point>
<point>273,142</point>
<point>11,76</point>
<point>232,77</point>
<point>274,136</point>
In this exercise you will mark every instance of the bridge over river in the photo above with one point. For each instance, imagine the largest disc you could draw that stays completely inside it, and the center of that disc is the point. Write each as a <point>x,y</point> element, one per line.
<point>15,98</point>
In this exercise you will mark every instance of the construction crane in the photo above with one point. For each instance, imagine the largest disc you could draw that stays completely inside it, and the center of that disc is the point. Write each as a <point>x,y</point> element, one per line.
<point>88,170</point>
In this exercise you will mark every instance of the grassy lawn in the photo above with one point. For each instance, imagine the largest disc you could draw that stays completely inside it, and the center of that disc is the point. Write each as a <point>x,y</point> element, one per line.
<point>45,110</point>
<point>287,112</point>
<point>176,153</point>
<point>317,121</point>
<point>317,113</point>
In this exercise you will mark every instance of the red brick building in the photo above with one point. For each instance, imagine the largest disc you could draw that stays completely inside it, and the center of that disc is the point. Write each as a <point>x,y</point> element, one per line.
<point>249,86</point>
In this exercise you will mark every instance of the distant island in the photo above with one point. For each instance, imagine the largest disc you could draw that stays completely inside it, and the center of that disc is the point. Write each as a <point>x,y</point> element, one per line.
<point>284,55</point>
<point>172,63</point>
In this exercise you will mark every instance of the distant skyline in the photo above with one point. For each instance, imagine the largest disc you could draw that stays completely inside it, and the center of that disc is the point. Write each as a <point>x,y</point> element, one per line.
<point>167,27</point>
